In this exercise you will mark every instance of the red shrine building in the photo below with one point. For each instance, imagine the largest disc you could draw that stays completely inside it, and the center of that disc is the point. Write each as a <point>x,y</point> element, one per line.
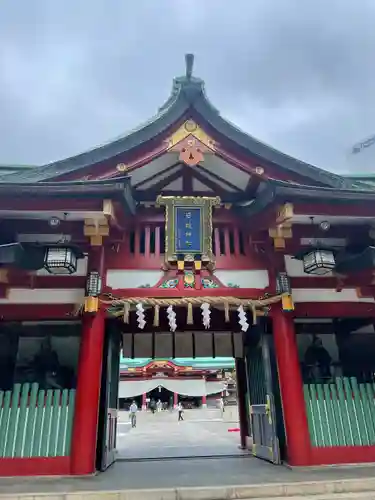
<point>194,382</point>
<point>186,238</point>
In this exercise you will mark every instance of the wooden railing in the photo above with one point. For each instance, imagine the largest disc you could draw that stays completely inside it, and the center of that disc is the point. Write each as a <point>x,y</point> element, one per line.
<point>35,423</point>
<point>143,247</point>
<point>341,413</point>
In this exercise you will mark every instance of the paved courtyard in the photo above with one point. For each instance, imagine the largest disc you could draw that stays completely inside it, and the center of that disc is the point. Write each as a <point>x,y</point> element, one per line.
<point>203,433</point>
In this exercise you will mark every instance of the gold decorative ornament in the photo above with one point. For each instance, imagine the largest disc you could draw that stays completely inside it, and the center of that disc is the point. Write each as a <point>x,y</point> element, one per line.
<point>192,129</point>
<point>194,239</point>
<point>121,167</point>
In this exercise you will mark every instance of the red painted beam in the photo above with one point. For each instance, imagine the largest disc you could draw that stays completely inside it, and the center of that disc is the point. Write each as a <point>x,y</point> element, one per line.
<point>34,204</point>
<point>330,282</point>
<point>245,293</point>
<point>336,231</point>
<point>32,281</point>
<point>360,209</point>
<point>157,216</point>
<point>37,312</point>
<point>24,226</point>
<point>333,310</point>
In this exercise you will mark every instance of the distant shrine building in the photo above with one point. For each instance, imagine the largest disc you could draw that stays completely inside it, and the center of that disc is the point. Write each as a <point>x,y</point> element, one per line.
<point>185,240</point>
<point>193,382</point>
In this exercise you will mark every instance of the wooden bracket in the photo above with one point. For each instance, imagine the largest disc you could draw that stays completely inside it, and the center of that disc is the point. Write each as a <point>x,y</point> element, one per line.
<point>283,228</point>
<point>4,276</point>
<point>285,213</point>
<point>97,229</point>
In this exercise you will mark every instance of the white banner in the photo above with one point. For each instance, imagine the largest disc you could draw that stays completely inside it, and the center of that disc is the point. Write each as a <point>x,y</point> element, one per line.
<point>189,387</point>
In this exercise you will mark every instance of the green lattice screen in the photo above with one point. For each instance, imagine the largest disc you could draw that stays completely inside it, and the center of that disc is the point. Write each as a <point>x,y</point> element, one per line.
<point>341,413</point>
<point>36,423</point>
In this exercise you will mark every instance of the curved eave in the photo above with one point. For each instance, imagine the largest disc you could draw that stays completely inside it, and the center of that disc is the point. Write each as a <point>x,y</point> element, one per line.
<point>264,152</point>
<point>117,189</point>
<point>166,118</point>
<point>272,192</point>
<point>187,94</point>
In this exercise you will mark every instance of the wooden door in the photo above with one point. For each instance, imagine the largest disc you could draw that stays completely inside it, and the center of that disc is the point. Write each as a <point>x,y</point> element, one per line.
<point>262,403</point>
<point>109,400</point>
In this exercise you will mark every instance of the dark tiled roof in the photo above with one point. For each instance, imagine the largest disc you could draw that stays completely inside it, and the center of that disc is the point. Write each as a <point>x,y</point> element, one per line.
<point>188,93</point>
<point>118,188</point>
<point>272,191</point>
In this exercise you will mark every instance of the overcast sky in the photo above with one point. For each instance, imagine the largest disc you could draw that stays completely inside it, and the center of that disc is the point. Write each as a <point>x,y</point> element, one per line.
<point>297,74</point>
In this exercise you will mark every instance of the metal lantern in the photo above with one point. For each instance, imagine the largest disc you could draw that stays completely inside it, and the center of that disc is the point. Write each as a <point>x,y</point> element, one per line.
<point>282,283</point>
<point>94,284</point>
<point>60,260</point>
<point>318,261</point>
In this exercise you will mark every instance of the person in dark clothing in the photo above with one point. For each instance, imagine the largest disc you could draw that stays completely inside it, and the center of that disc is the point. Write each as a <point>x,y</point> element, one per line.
<point>152,406</point>
<point>47,366</point>
<point>180,410</point>
<point>317,355</point>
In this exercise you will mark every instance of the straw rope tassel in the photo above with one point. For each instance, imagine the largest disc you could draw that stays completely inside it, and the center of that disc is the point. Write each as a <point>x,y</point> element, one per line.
<point>156,315</point>
<point>126,312</point>
<point>254,313</point>
<point>226,312</point>
<point>190,319</point>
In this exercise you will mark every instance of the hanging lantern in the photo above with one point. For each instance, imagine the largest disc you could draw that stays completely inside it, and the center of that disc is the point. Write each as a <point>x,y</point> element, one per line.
<point>282,283</point>
<point>93,284</point>
<point>60,260</point>
<point>318,261</point>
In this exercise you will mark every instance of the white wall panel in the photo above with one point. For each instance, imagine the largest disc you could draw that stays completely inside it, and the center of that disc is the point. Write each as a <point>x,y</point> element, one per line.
<point>244,279</point>
<point>129,278</point>
<point>43,296</point>
<point>328,295</point>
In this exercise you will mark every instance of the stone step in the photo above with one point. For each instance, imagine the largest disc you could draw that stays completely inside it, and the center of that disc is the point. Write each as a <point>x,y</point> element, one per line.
<point>352,489</point>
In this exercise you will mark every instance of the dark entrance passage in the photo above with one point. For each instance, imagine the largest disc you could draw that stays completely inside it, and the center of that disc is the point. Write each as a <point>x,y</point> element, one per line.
<point>161,394</point>
<point>205,432</point>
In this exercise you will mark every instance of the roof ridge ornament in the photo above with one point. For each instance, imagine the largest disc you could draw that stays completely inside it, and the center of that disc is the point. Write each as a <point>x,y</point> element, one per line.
<point>189,62</point>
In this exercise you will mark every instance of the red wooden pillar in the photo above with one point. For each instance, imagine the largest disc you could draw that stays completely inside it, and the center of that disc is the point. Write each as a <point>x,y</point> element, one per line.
<point>175,399</point>
<point>85,427</point>
<point>144,401</point>
<point>204,397</point>
<point>291,388</point>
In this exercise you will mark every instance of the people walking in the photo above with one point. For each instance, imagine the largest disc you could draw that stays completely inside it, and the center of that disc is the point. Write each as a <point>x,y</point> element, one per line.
<point>152,406</point>
<point>222,407</point>
<point>159,406</point>
<point>133,414</point>
<point>180,410</point>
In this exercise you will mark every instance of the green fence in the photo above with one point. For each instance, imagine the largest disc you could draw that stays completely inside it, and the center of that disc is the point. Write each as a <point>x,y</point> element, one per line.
<point>341,413</point>
<point>34,422</point>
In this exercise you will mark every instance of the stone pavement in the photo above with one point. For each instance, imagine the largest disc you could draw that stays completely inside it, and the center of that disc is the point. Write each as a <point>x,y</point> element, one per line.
<point>218,478</point>
<point>203,433</point>
<point>203,479</point>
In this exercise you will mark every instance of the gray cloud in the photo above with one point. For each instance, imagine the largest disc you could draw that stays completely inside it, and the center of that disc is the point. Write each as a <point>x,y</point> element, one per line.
<point>298,75</point>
